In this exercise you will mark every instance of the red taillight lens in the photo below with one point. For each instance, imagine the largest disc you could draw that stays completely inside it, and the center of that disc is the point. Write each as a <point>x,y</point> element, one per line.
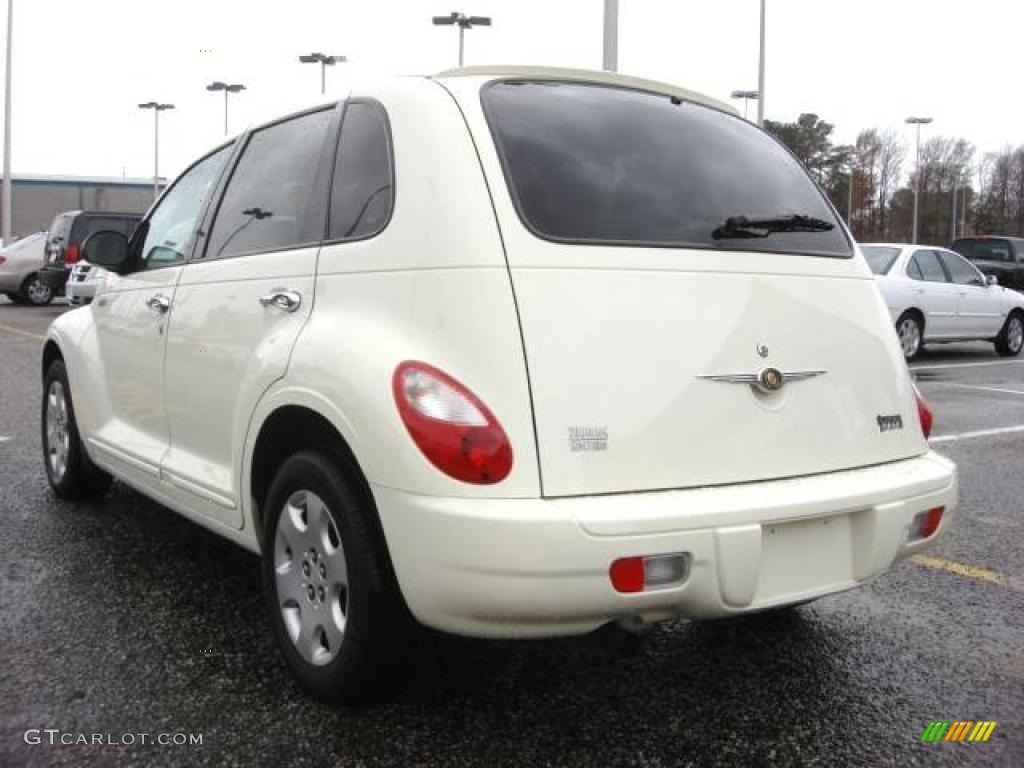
<point>3,259</point>
<point>627,574</point>
<point>925,524</point>
<point>451,426</point>
<point>924,413</point>
<point>71,254</point>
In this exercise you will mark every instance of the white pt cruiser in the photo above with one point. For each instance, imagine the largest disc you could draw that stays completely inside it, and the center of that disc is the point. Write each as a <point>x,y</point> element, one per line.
<point>506,352</point>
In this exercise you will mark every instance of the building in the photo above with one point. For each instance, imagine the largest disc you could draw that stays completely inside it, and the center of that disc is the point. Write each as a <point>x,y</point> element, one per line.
<point>36,199</point>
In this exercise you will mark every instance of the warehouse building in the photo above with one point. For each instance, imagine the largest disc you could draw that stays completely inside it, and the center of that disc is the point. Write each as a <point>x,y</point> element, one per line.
<point>36,199</point>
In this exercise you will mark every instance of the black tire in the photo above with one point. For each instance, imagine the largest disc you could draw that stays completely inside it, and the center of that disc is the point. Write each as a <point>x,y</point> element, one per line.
<point>80,478</point>
<point>1011,338</point>
<point>35,291</point>
<point>906,318</point>
<point>381,642</point>
<point>14,297</point>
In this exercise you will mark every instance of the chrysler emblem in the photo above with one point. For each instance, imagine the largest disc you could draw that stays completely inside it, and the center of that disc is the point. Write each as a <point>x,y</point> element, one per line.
<point>770,379</point>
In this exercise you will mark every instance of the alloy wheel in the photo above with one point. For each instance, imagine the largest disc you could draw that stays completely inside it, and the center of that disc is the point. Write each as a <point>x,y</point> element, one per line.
<point>910,337</point>
<point>58,436</point>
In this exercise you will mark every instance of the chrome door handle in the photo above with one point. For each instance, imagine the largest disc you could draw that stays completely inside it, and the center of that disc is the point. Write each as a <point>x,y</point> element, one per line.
<point>288,301</point>
<point>159,303</point>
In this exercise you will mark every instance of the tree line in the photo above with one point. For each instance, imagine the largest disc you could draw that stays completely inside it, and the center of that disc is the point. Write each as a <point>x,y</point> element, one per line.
<point>984,192</point>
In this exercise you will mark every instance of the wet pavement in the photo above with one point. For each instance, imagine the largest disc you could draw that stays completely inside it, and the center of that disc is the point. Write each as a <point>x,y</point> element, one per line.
<point>120,617</point>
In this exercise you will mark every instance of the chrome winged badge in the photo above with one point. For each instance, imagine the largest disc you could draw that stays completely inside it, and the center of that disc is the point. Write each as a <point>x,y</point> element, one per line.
<point>765,380</point>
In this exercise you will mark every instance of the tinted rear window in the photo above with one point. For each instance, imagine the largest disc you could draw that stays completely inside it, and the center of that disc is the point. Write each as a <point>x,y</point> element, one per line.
<point>879,259</point>
<point>597,164</point>
<point>86,225</point>
<point>988,249</point>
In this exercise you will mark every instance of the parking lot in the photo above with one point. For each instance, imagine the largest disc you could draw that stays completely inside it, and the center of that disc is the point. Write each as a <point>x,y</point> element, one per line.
<point>121,617</point>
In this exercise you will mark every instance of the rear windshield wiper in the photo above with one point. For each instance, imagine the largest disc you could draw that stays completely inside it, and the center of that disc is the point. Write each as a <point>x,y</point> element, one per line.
<point>743,227</point>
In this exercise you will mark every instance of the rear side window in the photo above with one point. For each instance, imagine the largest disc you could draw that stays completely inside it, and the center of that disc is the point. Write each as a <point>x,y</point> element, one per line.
<point>987,249</point>
<point>929,267</point>
<point>597,164</point>
<point>879,259</point>
<point>268,203</point>
<point>362,192</point>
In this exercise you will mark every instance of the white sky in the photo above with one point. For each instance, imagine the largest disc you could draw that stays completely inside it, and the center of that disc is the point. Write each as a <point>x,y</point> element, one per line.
<point>82,66</point>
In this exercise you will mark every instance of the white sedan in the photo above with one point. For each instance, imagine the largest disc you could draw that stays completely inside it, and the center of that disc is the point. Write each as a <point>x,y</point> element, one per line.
<point>935,295</point>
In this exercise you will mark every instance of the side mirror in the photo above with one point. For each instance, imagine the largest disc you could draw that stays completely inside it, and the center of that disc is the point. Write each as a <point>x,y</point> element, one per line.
<point>107,249</point>
<point>991,280</point>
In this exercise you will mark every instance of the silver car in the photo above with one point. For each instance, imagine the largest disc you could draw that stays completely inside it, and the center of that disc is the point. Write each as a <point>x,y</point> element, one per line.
<point>20,263</point>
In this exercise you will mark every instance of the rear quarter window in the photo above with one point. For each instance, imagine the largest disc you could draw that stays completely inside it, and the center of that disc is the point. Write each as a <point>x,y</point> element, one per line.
<point>588,163</point>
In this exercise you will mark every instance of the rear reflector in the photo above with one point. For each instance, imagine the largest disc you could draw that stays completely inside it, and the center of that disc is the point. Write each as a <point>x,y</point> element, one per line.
<point>638,574</point>
<point>925,524</point>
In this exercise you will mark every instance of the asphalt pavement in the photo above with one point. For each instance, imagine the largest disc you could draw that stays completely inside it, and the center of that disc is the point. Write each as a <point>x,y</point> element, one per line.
<point>119,618</point>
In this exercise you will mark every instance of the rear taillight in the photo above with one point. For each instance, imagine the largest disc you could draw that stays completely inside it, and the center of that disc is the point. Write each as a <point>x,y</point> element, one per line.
<point>2,259</point>
<point>924,414</point>
<point>639,574</point>
<point>71,254</point>
<point>454,430</point>
<point>925,524</point>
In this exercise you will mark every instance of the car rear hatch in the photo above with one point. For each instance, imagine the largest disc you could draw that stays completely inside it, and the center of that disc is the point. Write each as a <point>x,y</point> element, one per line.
<point>667,346</point>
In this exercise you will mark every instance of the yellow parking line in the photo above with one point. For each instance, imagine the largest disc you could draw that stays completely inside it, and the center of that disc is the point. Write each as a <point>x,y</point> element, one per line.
<point>969,571</point>
<point>19,332</point>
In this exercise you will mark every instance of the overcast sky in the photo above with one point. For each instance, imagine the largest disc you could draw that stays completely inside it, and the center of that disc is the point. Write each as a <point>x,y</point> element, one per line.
<point>82,66</point>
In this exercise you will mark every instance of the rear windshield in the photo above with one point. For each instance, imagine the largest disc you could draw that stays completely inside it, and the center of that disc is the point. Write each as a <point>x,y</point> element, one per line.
<point>987,249</point>
<point>86,225</point>
<point>597,164</point>
<point>59,227</point>
<point>880,259</point>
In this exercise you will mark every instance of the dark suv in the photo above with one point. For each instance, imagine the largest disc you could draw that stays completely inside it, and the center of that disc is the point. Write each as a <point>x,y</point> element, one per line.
<point>995,255</point>
<point>68,232</point>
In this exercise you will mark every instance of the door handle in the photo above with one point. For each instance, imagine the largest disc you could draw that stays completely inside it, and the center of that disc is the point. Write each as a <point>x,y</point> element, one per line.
<point>159,303</point>
<point>289,301</point>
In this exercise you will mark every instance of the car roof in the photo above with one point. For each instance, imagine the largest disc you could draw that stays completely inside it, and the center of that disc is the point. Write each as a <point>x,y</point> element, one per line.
<point>586,76</point>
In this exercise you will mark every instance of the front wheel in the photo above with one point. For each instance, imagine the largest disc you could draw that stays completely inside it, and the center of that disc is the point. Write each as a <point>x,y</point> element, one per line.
<point>911,335</point>
<point>71,473</point>
<point>1011,337</point>
<point>339,619</point>
<point>36,292</point>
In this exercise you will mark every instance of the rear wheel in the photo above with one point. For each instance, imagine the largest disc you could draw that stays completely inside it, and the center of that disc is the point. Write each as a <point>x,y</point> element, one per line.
<point>341,624</point>
<point>911,334</point>
<point>36,292</point>
<point>71,473</point>
<point>1011,337</point>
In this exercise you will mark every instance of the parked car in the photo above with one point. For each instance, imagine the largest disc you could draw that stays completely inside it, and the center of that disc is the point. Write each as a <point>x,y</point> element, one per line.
<point>20,263</point>
<point>67,233</point>
<point>936,296</point>
<point>995,255</point>
<point>504,352</point>
<point>82,282</point>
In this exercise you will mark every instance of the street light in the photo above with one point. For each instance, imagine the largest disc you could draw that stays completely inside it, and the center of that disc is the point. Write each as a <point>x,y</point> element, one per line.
<point>464,22</point>
<point>325,62</point>
<point>917,121</point>
<point>760,74</point>
<point>6,212</point>
<point>157,109</point>
<point>219,86</point>
<point>747,97</point>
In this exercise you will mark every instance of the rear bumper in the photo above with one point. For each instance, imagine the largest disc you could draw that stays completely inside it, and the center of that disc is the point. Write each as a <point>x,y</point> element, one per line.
<point>539,567</point>
<point>76,291</point>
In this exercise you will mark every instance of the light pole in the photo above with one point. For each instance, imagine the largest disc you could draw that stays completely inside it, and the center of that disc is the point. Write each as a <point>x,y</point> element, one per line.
<point>747,97</point>
<point>610,51</point>
<point>918,122</point>
<point>849,201</point>
<point>464,22</point>
<point>233,88</point>
<point>760,73</point>
<point>325,62</point>
<point>157,109</point>
<point>6,213</point>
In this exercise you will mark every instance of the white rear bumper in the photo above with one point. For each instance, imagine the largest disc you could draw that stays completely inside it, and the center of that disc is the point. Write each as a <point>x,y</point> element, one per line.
<point>536,567</point>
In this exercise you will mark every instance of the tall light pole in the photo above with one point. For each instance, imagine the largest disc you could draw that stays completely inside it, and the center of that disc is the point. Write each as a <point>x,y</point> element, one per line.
<point>747,97</point>
<point>6,213</point>
<point>760,73</point>
<point>610,50</point>
<point>918,122</point>
<point>325,62</point>
<point>157,109</point>
<point>233,88</point>
<point>463,22</point>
